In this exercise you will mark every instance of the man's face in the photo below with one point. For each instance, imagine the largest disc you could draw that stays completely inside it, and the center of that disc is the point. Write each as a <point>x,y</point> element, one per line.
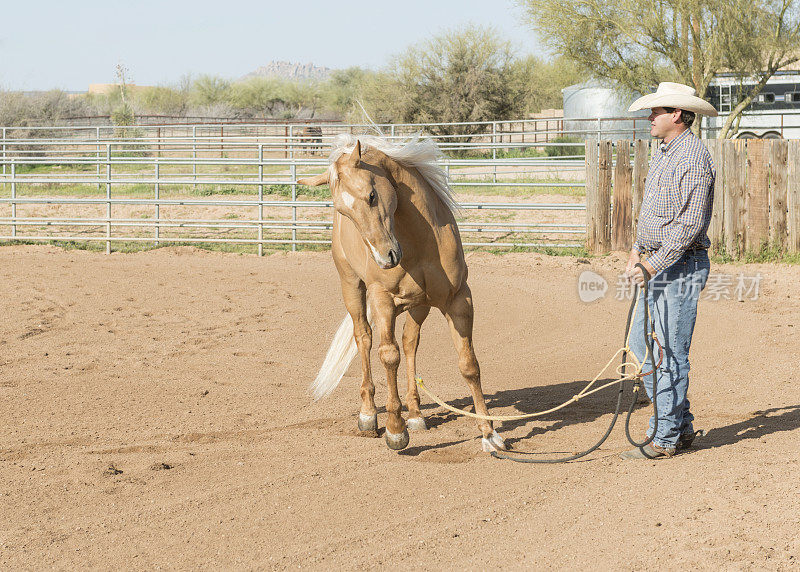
<point>662,123</point>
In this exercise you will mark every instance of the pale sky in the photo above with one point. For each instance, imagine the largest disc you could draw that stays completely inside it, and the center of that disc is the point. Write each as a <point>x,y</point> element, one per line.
<point>68,45</point>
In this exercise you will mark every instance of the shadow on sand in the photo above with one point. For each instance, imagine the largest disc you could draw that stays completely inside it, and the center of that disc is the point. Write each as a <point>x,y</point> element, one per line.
<point>761,424</point>
<point>530,400</point>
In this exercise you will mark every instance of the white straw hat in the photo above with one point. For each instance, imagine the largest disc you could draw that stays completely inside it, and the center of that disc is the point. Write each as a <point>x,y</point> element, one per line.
<point>674,95</point>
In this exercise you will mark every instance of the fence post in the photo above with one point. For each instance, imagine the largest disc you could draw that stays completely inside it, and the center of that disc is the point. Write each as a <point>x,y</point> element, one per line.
<point>641,165</point>
<point>716,227</point>
<point>792,197</point>
<point>598,196</point>
<point>592,174</point>
<point>735,160</point>
<point>260,199</point>
<point>621,214</point>
<point>157,197</point>
<point>777,193</point>
<point>756,232</point>
<point>494,151</point>
<point>97,156</point>
<point>13,196</point>
<point>108,197</point>
<point>604,198</point>
<point>194,156</point>
<point>4,151</point>
<point>294,207</point>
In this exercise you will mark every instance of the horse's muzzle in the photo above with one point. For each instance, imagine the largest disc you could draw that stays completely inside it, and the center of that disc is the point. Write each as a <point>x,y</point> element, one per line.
<point>395,255</point>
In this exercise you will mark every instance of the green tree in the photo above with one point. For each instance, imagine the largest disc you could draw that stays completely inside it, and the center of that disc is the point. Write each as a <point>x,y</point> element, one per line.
<point>378,94</point>
<point>209,90</point>
<point>540,82</point>
<point>343,89</point>
<point>257,96</point>
<point>300,95</point>
<point>463,75</point>
<point>162,100</point>
<point>638,43</point>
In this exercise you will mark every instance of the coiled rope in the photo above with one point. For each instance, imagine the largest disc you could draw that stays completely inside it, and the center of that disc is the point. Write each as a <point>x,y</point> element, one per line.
<point>637,377</point>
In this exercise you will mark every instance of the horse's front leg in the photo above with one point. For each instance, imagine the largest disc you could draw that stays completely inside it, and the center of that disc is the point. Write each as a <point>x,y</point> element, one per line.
<point>396,434</point>
<point>411,330</point>
<point>354,294</point>
<point>459,316</point>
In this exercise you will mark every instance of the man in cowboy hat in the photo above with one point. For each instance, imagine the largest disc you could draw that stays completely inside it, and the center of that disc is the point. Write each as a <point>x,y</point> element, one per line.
<point>672,244</point>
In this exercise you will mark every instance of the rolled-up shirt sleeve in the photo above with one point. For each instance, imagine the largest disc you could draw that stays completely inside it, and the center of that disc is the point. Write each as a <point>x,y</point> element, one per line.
<point>694,198</point>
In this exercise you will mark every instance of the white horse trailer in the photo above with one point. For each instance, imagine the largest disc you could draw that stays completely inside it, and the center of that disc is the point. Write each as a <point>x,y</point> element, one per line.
<point>773,114</point>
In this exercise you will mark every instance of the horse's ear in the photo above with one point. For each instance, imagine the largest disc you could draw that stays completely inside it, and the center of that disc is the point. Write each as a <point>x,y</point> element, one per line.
<point>317,180</point>
<point>355,156</point>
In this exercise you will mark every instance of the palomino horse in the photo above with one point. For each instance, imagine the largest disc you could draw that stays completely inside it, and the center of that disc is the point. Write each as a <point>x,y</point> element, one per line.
<point>397,248</point>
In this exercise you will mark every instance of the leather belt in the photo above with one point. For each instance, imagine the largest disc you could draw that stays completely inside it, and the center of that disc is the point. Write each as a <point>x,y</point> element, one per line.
<point>645,254</point>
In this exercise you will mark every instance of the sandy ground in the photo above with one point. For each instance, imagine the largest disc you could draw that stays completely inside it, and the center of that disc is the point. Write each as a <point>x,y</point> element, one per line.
<point>155,415</point>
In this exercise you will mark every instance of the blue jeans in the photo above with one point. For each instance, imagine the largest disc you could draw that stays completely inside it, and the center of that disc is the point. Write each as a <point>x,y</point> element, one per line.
<point>673,296</point>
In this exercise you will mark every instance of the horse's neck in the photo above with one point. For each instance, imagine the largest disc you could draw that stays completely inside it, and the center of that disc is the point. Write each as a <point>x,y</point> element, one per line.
<point>416,197</point>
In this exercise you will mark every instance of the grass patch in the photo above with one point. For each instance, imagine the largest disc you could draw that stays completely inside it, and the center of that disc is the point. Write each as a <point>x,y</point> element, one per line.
<point>576,150</point>
<point>133,246</point>
<point>147,190</point>
<point>574,251</point>
<point>209,190</point>
<point>322,192</point>
<point>91,190</point>
<point>512,191</point>
<point>62,168</point>
<point>505,153</point>
<point>767,254</point>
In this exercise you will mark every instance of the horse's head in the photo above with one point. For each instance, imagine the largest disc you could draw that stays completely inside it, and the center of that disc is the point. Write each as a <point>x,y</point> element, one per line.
<point>363,192</point>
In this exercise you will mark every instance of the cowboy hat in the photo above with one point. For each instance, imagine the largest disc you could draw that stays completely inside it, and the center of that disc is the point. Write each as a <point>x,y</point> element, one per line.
<point>674,95</point>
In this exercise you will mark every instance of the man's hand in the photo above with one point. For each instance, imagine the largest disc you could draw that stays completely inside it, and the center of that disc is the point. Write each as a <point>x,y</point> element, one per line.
<point>632,272</point>
<point>633,260</point>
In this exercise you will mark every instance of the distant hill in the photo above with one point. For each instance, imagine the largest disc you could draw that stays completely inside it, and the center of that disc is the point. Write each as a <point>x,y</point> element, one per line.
<point>290,70</point>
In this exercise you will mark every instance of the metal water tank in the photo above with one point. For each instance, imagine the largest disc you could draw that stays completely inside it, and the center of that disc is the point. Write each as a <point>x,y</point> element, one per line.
<point>596,109</point>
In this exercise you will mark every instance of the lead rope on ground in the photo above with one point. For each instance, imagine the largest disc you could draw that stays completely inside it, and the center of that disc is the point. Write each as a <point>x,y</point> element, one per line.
<point>586,391</point>
<point>575,398</point>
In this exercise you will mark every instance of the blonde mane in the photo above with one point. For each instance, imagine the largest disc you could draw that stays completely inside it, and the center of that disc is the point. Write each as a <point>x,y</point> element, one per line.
<point>417,152</point>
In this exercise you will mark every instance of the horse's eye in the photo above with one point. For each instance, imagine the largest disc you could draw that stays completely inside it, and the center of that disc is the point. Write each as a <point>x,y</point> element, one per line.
<point>372,198</point>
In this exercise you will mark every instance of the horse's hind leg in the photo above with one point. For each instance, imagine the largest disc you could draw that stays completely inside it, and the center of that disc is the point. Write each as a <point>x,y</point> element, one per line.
<point>396,434</point>
<point>410,343</point>
<point>459,315</point>
<point>355,301</point>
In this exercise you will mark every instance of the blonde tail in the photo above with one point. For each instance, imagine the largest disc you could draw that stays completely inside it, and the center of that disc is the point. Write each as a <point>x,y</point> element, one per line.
<point>342,351</point>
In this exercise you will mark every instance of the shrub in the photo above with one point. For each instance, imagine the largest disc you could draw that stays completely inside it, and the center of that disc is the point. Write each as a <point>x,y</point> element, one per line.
<point>564,150</point>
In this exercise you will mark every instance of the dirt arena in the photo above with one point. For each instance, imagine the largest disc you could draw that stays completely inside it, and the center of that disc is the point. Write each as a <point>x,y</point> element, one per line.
<point>155,415</point>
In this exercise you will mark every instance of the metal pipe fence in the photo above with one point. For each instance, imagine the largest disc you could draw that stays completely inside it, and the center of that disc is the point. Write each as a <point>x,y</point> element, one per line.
<point>507,134</point>
<point>240,188</point>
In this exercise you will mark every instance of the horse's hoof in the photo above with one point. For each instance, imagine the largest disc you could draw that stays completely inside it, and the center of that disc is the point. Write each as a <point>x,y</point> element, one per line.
<point>367,422</point>
<point>493,443</point>
<point>416,424</point>
<point>398,441</point>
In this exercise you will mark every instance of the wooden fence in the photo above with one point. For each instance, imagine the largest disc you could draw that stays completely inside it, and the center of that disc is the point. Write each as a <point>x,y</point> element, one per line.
<point>756,195</point>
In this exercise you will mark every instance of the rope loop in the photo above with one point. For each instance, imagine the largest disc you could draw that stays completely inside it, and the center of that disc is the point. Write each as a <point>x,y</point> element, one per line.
<point>586,391</point>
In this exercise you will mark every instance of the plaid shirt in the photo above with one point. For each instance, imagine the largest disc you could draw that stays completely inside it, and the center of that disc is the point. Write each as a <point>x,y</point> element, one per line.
<point>678,197</point>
